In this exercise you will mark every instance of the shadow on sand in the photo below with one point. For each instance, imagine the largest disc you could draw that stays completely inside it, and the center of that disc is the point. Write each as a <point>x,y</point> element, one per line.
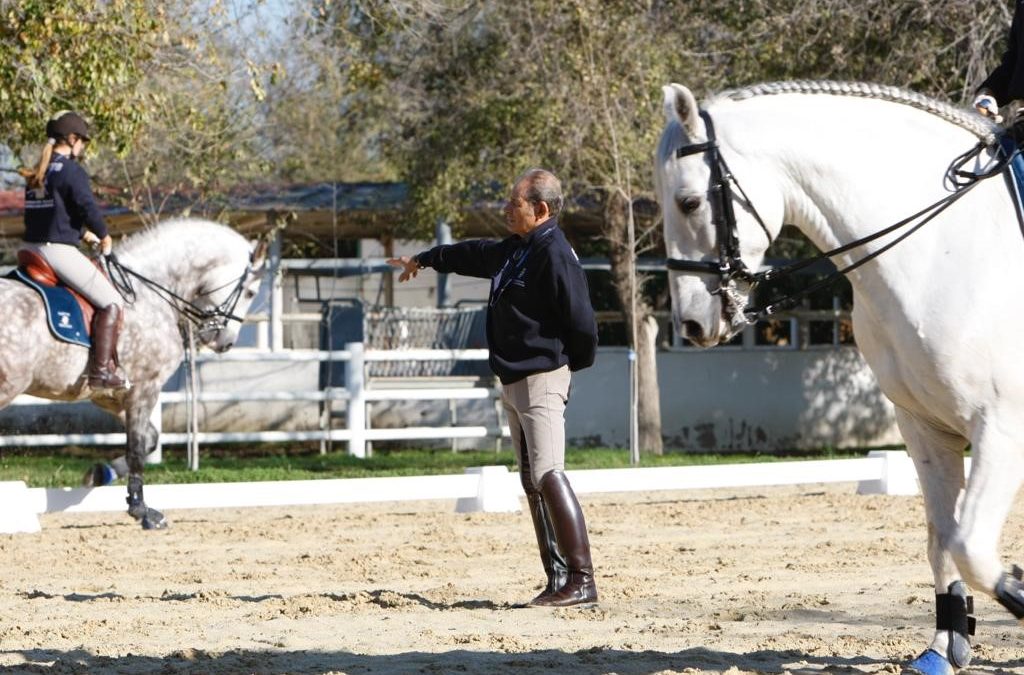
<point>595,660</point>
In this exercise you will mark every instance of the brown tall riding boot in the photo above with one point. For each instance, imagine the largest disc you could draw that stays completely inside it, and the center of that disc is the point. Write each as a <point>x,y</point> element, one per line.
<point>106,325</point>
<point>550,557</point>
<point>571,534</point>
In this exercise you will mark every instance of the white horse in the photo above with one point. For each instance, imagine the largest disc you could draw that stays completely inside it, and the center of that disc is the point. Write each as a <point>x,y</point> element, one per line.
<point>184,270</point>
<point>939,317</point>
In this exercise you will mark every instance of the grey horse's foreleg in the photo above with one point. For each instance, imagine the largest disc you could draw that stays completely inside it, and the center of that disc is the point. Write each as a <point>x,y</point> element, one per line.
<point>141,440</point>
<point>104,473</point>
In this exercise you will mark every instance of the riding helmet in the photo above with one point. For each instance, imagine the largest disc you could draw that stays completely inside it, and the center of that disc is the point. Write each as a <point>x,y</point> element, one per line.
<point>65,123</point>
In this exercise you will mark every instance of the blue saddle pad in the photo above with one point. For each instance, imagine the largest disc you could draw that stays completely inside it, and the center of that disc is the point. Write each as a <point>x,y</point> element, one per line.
<point>1015,176</point>
<point>62,311</point>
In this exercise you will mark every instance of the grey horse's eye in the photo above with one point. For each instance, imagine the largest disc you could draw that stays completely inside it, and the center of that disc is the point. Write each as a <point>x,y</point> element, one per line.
<point>688,204</point>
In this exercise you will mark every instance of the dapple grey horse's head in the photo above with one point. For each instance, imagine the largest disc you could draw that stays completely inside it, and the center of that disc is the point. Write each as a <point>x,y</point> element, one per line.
<point>213,269</point>
<point>227,289</point>
<point>704,309</point>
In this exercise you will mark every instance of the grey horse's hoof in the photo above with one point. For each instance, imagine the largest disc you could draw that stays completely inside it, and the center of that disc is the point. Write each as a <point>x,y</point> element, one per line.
<point>150,519</point>
<point>154,520</point>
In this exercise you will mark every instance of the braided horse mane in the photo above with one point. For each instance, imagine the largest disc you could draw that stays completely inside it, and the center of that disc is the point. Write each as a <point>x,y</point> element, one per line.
<point>967,119</point>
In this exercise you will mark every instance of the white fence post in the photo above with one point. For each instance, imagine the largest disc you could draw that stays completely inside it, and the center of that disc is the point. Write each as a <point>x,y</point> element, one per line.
<point>276,324</point>
<point>356,415</point>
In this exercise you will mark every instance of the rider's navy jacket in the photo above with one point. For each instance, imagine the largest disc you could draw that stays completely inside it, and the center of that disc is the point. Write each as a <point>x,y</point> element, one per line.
<point>1007,81</point>
<point>58,212</point>
<point>539,316</point>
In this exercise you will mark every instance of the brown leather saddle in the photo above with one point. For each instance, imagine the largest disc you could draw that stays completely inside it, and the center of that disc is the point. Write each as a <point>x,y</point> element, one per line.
<point>35,267</point>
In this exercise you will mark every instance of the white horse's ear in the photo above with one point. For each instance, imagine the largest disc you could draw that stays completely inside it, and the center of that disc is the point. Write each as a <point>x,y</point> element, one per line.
<point>681,106</point>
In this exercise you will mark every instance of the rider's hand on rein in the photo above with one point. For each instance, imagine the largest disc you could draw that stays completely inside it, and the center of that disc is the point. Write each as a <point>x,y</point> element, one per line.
<point>986,105</point>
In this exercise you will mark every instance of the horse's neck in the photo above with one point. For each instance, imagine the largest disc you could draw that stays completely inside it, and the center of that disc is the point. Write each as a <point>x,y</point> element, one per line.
<point>846,168</point>
<point>172,262</point>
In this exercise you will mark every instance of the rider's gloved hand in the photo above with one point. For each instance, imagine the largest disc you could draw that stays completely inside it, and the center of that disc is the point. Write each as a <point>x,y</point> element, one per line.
<point>986,104</point>
<point>106,245</point>
<point>90,239</point>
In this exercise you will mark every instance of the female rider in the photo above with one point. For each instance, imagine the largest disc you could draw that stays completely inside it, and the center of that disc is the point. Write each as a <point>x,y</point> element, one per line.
<point>60,211</point>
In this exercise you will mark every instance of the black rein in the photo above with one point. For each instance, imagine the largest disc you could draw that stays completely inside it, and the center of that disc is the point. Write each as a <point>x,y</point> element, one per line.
<point>120,277</point>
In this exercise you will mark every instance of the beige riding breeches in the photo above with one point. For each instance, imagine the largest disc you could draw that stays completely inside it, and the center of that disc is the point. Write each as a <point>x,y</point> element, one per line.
<point>535,407</point>
<point>78,272</point>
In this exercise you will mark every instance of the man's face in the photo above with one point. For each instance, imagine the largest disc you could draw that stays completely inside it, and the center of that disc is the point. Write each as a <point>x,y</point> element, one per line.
<point>520,216</point>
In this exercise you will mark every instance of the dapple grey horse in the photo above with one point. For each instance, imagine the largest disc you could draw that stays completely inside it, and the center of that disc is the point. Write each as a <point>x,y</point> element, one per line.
<point>179,270</point>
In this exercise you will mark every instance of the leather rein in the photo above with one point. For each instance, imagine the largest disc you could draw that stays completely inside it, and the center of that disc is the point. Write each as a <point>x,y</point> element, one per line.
<point>206,319</point>
<point>730,266</point>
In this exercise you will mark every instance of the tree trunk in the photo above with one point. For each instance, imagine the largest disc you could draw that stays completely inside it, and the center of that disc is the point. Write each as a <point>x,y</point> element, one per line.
<point>649,403</point>
<point>622,267</point>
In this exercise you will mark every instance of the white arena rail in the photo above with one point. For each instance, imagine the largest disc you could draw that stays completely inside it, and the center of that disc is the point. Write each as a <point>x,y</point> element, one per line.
<point>489,489</point>
<point>354,394</point>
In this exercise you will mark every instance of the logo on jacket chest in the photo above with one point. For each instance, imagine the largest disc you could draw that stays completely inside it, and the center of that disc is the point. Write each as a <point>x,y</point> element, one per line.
<point>513,273</point>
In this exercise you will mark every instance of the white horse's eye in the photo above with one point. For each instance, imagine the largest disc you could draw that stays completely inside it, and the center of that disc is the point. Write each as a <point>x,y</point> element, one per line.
<point>688,204</point>
<point>249,294</point>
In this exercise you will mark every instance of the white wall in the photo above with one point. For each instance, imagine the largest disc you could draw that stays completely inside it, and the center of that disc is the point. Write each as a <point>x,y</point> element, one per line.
<point>733,399</point>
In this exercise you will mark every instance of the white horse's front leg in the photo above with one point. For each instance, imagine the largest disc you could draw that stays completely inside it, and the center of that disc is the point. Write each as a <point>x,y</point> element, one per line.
<point>939,459</point>
<point>996,474</point>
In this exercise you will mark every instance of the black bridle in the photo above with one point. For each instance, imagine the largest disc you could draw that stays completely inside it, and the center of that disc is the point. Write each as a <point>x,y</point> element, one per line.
<point>207,320</point>
<point>730,267</point>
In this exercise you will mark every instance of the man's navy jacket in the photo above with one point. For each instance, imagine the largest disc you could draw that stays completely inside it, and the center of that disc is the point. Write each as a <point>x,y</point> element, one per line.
<point>539,316</point>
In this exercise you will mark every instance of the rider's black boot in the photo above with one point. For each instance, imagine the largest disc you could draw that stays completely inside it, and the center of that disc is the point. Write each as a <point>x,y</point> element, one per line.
<point>106,325</point>
<point>571,534</point>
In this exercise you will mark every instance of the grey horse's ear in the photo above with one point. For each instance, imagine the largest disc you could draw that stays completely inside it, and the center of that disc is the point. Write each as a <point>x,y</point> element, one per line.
<point>681,106</point>
<point>258,258</point>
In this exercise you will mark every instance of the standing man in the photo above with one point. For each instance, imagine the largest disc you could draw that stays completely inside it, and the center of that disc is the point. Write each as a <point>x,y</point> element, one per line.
<point>540,326</point>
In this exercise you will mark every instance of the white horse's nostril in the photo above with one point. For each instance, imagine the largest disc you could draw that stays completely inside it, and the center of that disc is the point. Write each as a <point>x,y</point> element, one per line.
<point>691,330</point>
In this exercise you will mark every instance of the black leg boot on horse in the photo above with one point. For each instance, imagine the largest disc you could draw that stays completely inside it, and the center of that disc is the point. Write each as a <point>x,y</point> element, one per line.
<point>106,326</point>
<point>150,519</point>
<point>570,532</point>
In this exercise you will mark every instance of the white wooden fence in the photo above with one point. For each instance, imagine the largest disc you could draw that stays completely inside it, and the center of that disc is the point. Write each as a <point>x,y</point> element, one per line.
<point>354,394</point>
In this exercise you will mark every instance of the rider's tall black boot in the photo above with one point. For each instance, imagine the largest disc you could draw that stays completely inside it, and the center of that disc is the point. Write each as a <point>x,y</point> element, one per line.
<point>106,325</point>
<point>550,557</point>
<point>570,531</point>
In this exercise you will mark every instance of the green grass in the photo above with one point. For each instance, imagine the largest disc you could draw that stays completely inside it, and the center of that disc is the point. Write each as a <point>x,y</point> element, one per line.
<point>227,464</point>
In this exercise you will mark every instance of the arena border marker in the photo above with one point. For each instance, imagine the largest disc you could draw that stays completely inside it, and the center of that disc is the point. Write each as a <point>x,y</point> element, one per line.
<point>899,477</point>
<point>17,514</point>
<point>497,492</point>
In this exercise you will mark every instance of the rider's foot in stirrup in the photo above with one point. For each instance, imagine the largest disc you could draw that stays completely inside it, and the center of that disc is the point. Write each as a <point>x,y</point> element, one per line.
<point>105,379</point>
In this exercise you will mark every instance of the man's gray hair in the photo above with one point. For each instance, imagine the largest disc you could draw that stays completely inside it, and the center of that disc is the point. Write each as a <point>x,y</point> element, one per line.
<point>543,186</point>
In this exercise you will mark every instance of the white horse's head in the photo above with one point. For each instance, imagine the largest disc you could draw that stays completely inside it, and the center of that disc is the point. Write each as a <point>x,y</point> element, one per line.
<point>707,307</point>
<point>226,291</point>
